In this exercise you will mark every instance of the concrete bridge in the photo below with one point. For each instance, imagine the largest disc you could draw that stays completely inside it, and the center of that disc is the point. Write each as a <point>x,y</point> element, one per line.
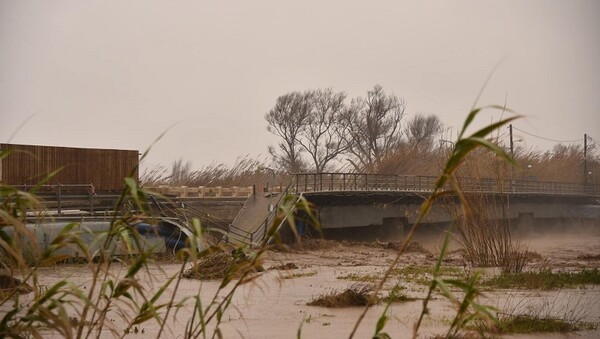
<point>358,206</point>
<point>374,206</point>
<point>361,206</point>
<point>365,206</point>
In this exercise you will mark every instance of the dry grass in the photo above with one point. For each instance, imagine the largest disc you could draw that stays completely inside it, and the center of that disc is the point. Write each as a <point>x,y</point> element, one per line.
<point>213,266</point>
<point>300,275</point>
<point>284,267</point>
<point>588,257</point>
<point>355,295</point>
<point>530,324</point>
<point>219,265</point>
<point>413,247</point>
<point>360,277</point>
<point>10,284</point>
<point>483,227</point>
<point>245,171</point>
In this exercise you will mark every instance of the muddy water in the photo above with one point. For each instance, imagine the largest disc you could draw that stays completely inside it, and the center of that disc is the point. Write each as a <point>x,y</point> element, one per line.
<point>274,305</point>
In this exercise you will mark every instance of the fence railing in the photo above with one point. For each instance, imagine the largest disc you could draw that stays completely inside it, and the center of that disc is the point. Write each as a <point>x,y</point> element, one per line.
<point>259,232</point>
<point>62,198</point>
<point>83,197</point>
<point>76,199</point>
<point>220,229</point>
<point>203,191</point>
<point>319,182</point>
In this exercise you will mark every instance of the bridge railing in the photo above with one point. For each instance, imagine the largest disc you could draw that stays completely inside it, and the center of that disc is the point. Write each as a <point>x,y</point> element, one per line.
<point>318,182</point>
<point>315,182</point>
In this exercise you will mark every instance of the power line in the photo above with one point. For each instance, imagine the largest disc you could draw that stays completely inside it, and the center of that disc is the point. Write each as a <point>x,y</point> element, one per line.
<point>548,139</point>
<point>594,140</point>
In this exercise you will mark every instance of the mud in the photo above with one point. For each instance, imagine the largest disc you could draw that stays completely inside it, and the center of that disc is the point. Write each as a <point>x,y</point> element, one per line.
<point>275,303</point>
<point>283,267</point>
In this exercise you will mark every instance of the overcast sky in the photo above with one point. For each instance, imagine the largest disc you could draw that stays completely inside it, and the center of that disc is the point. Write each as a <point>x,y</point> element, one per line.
<point>116,74</point>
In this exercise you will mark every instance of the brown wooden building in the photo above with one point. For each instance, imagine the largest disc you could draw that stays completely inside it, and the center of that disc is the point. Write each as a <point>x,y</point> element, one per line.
<point>104,168</point>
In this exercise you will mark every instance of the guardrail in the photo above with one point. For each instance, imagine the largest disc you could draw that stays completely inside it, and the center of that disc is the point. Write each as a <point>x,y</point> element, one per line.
<point>219,229</point>
<point>63,197</point>
<point>83,197</point>
<point>60,199</point>
<point>259,232</point>
<point>203,191</point>
<point>319,182</point>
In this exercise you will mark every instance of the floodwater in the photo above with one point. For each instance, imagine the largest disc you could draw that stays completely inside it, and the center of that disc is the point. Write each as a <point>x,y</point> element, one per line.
<point>274,304</point>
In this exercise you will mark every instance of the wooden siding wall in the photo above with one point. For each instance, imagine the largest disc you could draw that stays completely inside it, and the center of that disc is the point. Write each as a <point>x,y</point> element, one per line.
<point>104,168</point>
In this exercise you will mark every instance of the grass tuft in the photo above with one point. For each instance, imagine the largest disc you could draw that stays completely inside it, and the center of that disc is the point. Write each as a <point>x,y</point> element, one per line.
<point>545,280</point>
<point>299,275</point>
<point>360,277</point>
<point>355,295</point>
<point>422,275</point>
<point>396,295</point>
<point>529,324</point>
<point>284,267</point>
<point>220,264</point>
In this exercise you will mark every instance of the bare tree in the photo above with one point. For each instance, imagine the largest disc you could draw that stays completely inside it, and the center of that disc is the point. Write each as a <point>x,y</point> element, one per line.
<point>415,153</point>
<point>321,136</point>
<point>372,128</point>
<point>420,131</point>
<point>289,116</point>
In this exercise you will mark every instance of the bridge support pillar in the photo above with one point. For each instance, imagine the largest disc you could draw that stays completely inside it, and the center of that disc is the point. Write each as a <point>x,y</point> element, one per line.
<point>525,224</point>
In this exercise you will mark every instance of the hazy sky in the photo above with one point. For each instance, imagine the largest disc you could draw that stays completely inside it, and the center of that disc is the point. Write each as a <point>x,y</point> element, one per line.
<point>116,74</point>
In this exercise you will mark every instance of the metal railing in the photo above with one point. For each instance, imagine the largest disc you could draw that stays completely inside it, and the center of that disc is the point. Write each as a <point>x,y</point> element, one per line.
<point>62,197</point>
<point>321,182</point>
<point>220,229</point>
<point>260,231</point>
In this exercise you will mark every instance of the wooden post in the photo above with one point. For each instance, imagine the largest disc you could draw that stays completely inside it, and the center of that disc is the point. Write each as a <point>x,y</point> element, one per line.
<point>58,200</point>
<point>91,197</point>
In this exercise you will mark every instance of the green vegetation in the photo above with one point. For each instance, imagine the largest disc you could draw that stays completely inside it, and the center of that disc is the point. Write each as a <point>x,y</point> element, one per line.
<point>360,277</point>
<point>422,275</point>
<point>468,306</point>
<point>68,310</point>
<point>396,295</point>
<point>429,270</point>
<point>415,274</point>
<point>545,280</point>
<point>529,324</point>
<point>72,311</point>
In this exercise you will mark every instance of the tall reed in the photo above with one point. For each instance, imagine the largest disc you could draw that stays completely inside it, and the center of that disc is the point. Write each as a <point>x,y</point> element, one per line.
<point>74,311</point>
<point>447,184</point>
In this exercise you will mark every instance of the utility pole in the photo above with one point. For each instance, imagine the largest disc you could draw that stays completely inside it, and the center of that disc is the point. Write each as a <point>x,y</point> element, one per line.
<point>512,154</point>
<point>512,145</point>
<point>585,172</point>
